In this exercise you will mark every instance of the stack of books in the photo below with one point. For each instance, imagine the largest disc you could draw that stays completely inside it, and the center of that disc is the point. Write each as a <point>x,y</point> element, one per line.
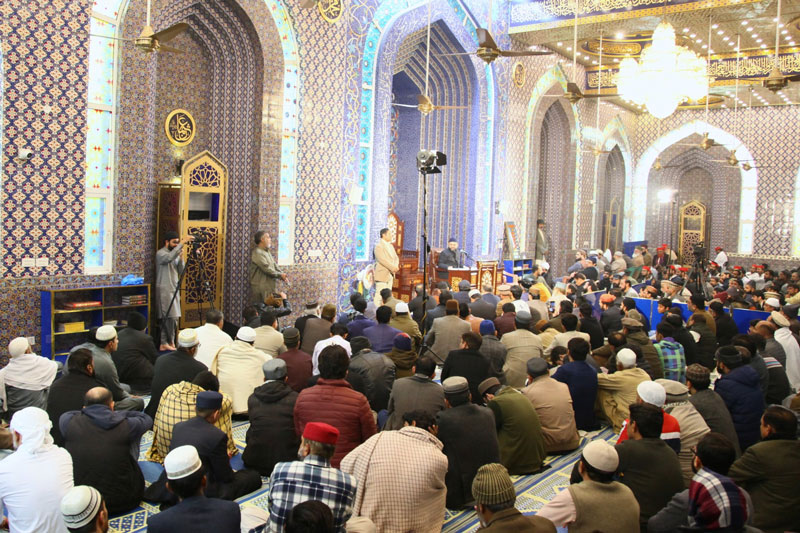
<point>81,305</point>
<point>134,299</point>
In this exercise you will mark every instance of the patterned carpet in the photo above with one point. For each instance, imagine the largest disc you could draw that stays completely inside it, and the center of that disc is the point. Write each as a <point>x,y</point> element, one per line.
<point>532,491</point>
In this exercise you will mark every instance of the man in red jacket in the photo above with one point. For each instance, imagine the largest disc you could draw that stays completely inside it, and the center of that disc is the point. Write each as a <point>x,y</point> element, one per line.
<point>333,401</point>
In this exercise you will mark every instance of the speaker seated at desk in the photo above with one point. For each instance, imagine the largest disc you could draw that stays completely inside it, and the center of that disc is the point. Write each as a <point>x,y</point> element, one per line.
<point>451,257</point>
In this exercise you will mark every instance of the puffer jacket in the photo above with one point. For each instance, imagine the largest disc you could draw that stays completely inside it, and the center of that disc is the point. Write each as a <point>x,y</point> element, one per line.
<point>271,437</point>
<point>649,352</point>
<point>741,392</point>
<point>334,402</point>
<point>378,372</point>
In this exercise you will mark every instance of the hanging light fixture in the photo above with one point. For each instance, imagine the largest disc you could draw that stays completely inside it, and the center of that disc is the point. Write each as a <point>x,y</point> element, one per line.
<point>665,75</point>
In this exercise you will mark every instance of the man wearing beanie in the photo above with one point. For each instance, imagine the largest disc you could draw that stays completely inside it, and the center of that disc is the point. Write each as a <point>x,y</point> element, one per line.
<point>445,333</point>
<point>493,350</point>
<point>84,510</point>
<point>271,437</point>
<point>312,477</point>
<point>401,476</point>
<point>522,344</point>
<point>187,480</point>
<point>739,387</point>
<point>469,437</point>
<point>25,380</point>
<point>519,432</point>
<point>553,404</point>
<point>238,367</point>
<point>495,497</point>
<point>299,365</point>
<point>584,506</point>
<point>377,370</point>
<point>135,354</point>
<point>403,355</point>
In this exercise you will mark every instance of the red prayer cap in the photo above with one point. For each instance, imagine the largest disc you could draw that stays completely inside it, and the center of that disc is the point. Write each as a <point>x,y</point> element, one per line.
<point>713,263</point>
<point>321,432</point>
<point>607,298</point>
<point>684,269</point>
<point>646,268</point>
<point>718,248</point>
<point>737,267</point>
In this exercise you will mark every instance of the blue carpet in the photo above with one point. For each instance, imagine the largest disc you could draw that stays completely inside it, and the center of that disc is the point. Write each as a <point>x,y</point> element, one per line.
<point>532,491</point>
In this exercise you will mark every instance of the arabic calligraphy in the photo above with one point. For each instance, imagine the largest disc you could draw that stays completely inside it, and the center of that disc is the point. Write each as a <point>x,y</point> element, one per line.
<point>180,127</point>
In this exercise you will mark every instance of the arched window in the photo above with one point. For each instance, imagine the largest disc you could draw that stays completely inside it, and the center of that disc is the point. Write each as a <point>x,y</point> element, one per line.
<point>101,138</point>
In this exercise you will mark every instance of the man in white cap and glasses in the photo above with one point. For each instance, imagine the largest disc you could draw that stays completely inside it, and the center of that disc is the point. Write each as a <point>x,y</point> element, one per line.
<point>186,478</point>
<point>84,510</point>
<point>175,367</point>
<point>26,379</point>
<point>615,392</point>
<point>238,367</point>
<point>35,477</point>
<point>105,343</point>
<point>585,506</point>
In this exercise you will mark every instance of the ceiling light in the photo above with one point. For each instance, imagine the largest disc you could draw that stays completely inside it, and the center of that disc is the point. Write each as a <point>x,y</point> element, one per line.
<point>791,43</point>
<point>775,19</point>
<point>759,40</point>
<point>692,35</point>
<point>559,44</point>
<point>720,32</point>
<point>705,46</point>
<point>784,32</point>
<point>586,58</point>
<point>749,28</point>
<point>569,49</point>
<point>763,46</point>
<point>744,23</point>
<point>754,35</point>
<point>594,62</point>
<point>714,26</point>
<point>616,60</point>
<point>619,35</point>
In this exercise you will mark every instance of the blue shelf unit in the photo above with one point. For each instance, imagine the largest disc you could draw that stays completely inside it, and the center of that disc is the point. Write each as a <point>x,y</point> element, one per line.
<point>113,307</point>
<point>519,267</point>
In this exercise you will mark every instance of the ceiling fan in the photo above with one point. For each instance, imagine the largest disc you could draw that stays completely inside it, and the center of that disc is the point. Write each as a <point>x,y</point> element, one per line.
<point>705,143</point>
<point>150,41</point>
<point>776,80</point>
<point>425,105</point>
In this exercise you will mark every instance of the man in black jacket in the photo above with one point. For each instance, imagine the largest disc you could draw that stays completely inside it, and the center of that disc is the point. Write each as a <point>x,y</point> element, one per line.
<point>481,308</point>
<point>726,327</point>
<point>469,363</point>
<point>271,438</point>
<point>175,367</point>
<point>104,445</point>
<point>377,370</point>
<point>590,325</point>
<point>470,440</point>
<point>68,392</point>
<point>135,355</point>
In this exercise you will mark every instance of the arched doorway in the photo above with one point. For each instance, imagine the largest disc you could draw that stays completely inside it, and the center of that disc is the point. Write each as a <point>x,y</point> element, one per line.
<point>611,198</point>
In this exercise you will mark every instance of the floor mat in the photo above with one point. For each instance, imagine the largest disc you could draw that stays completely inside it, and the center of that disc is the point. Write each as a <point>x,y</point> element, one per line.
<point>532,491</point>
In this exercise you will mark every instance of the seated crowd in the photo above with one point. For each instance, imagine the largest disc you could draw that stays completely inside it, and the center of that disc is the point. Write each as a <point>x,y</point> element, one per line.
<point>383,417</point>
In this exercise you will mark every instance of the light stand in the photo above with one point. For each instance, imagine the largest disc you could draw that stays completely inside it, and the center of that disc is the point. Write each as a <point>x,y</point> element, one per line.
<point>428,162</point>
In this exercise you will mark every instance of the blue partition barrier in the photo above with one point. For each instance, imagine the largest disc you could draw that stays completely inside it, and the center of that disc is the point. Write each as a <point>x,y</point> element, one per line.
<point>742,317</point>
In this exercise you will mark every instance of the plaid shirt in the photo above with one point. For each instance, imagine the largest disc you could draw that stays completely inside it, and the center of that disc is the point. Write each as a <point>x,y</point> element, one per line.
<point>177,405</point>
<point>673,358</point>
<point>313,478</point>
<point>715,502</point>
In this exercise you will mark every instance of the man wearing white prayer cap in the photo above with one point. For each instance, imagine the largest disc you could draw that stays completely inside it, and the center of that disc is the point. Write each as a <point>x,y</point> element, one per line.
<point>175,367</point>
<point>584,506</point>
<point>84,510</point>
<point>615,392</point>
<point>34,478</point>
<point>25,380</point>
<point>238,367</point>
<point>655,394</point>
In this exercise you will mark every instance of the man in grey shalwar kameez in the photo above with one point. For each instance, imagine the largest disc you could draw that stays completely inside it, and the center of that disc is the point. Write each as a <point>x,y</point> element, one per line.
<point>264,270</point>
<point>169,266</point>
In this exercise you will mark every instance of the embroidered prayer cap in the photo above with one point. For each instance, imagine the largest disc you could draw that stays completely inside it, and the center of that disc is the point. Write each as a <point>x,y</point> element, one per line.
<point>780,320</point>
<point>607,299</point>
<point>601,456</point>
<point>274,369</point>
<point>182,462</point>
<point>492,485</point>
<point>291,334</point>
<point>321,432</point>
<point>472,294</point>
<point>188,338</point>
<point>626,357</point>
<point>523,318</point>
<point>676,391</point>
<point>246,334</point>
<point>209,399</point>
<point>487,384</point>
<point>652,393</point>
<point>536,366</point>
<point>80,506</point>
<point>328,311</point>
<point>106,333</point>
<point>401,307</point>
<point>455,385</point>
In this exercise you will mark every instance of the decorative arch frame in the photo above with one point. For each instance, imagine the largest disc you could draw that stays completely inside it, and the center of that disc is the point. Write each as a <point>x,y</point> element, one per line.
<point>636,189</point>
<point>555,76</point>
<point>614,134</point>
<point>372,103</point>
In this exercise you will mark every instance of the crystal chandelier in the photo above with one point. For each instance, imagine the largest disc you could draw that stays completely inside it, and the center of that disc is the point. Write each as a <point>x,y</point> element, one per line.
<point>665,76</point>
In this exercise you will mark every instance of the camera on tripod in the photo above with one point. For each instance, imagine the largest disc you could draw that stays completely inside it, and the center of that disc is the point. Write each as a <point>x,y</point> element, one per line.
<point>699,250</point>
<point>200,236</point>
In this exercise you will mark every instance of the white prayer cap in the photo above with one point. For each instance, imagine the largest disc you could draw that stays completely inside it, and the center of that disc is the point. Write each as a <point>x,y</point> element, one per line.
<point>601,456</point>
<point>545,265</point>
<point>187,338</point>
<point>18,346</point>
<point>182,462</point>
<point>80,506</point>
<point>401,307</point>
<point>626,357</point>
<point>652,393</point>
<point>780,320</point>
<point>772,302</point>
<point>246,334</point>
<point>106,333</point>
<point>34,425</point>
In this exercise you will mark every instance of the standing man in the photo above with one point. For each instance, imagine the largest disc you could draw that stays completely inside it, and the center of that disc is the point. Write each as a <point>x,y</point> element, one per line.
<point>169,266</point>
<point>386,264</point>
<point>542,244</point>
<point>263,268</point>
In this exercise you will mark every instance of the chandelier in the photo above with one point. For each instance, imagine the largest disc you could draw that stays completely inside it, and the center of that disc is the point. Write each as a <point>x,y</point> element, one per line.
<point>665,76</point>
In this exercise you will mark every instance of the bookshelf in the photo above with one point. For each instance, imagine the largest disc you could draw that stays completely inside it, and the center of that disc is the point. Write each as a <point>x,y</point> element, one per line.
<point>68,314</point>
<point>517,267</point>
